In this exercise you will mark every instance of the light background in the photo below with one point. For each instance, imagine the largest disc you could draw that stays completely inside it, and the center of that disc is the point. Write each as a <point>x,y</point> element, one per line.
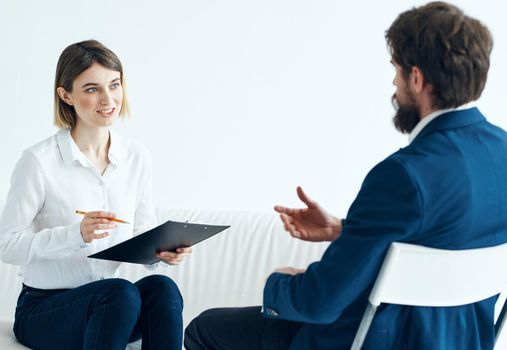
<point>238,101</point>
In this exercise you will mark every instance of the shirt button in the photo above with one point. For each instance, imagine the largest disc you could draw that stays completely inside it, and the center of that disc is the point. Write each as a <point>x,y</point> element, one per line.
<point>101,278</point>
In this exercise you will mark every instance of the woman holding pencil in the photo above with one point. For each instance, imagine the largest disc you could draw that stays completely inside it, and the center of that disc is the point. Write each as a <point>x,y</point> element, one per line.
<point>68,300</point>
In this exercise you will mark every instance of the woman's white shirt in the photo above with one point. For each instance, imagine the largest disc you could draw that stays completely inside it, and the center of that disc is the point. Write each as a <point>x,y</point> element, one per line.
<point>39,228</point>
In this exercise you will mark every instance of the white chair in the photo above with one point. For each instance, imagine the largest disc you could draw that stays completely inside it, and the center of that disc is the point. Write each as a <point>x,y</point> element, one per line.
<point>420,276</point>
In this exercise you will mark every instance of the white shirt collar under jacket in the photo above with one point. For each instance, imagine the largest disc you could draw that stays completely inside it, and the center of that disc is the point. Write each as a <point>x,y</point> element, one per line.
<point>426,120</point>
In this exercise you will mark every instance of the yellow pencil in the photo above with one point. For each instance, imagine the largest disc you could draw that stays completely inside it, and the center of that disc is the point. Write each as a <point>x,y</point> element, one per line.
<point>114,219</point>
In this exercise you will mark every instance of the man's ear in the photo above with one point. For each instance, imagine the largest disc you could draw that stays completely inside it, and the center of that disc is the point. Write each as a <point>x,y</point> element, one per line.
<point>417,79</point>
<point>64,95</point>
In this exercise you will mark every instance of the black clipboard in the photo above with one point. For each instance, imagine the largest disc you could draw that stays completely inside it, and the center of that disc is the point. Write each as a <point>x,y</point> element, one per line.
<point>143,249</point>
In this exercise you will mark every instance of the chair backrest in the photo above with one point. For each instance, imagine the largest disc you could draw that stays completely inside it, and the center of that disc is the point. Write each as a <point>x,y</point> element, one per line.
<point>421,276</point>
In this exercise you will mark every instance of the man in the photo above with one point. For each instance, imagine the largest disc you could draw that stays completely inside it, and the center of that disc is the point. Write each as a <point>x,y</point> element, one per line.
<point>446,189</point>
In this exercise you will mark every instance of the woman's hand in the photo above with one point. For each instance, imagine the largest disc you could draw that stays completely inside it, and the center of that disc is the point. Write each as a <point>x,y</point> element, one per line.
<point>96,220</point>
<point>174,258</point>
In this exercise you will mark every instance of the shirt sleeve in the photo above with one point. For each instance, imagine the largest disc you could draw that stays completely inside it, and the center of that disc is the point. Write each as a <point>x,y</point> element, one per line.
<point>145,217</point>
<point>19,243</point>
<point>388,208</point>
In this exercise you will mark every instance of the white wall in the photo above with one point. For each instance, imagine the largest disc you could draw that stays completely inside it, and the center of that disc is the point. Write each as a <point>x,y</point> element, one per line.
<point>239,101</point>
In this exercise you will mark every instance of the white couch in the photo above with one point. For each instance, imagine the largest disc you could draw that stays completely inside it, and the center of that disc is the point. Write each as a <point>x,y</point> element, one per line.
<point>226,270</point>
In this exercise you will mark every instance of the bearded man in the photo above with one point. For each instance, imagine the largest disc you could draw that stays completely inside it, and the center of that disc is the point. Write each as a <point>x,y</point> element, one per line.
<point>446,189</point>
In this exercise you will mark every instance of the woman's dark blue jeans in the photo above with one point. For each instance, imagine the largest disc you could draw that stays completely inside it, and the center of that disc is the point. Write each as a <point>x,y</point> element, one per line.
<point>106,314</point>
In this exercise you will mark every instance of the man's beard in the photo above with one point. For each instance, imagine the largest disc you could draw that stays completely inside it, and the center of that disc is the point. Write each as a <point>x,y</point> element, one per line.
<point>406,117</point>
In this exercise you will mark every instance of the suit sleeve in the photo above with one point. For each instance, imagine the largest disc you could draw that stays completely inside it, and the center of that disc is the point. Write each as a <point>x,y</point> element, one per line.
<point>387,209</point>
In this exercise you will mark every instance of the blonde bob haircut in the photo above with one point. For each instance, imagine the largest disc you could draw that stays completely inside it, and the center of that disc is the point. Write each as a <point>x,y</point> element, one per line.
<point>74,60</point>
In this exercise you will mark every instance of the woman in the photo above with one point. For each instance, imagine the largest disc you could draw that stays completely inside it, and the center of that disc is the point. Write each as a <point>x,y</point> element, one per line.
<point>69,301</point>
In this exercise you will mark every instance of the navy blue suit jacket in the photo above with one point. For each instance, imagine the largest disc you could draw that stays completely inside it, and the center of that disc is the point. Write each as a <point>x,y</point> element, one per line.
<point>447,189</point>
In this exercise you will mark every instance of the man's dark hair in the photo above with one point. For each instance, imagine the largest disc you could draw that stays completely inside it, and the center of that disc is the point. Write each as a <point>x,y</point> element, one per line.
<point>451,49</point>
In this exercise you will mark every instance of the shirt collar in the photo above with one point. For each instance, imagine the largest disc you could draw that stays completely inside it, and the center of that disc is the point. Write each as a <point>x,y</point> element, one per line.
<point>68,148</point>
<point>70,151</point>
<point>117,148</point>
<point>426,120</point>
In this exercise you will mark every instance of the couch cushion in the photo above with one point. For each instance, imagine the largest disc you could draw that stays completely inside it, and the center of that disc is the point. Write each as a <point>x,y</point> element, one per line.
<point>9,342</point>
<point>7,339</point>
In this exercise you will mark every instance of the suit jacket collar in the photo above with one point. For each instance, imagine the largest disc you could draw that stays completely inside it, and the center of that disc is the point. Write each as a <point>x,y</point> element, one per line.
<point>452,120</point>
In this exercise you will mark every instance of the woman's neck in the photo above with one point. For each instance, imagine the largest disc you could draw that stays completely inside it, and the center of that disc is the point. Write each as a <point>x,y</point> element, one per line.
<point>94,143</point>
